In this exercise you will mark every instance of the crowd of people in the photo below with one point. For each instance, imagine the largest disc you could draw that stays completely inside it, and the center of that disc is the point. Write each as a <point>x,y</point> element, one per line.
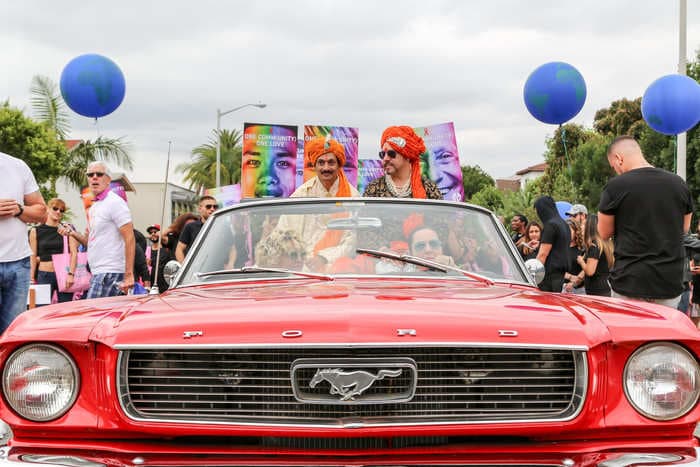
<point>614,253</point>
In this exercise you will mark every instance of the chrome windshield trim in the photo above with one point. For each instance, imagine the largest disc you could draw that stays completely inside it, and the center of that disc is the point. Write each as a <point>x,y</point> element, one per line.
<point>349,201</point>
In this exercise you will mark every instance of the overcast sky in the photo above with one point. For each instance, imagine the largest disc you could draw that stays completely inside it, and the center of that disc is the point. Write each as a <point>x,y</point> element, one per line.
<point>368,64</point>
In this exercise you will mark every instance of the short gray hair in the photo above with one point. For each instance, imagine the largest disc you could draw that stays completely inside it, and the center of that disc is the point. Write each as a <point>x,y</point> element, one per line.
<point>102,165</point>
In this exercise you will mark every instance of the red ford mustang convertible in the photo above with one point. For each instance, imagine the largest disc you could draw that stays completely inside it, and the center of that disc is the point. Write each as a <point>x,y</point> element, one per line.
<point>349,332</point>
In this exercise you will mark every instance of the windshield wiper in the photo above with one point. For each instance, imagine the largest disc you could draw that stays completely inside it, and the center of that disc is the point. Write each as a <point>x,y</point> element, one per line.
<point>256,269</point>
<point>425,263</point>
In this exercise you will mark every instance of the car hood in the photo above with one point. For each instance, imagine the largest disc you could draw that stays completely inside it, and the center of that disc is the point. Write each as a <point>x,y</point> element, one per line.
<point>358,311</point>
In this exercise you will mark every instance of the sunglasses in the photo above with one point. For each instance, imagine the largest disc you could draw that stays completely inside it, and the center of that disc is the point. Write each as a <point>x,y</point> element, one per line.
<point>423,245</point>
<point>57,209</point>
<point>391,153</point>
<point>95,174</point>
<point>210,206</point>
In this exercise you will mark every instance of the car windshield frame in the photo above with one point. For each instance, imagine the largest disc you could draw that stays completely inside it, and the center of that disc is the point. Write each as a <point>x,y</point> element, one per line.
<point>180,279</point>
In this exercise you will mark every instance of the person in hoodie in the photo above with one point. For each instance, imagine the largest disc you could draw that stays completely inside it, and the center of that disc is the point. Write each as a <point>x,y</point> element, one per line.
<point>554,244</point>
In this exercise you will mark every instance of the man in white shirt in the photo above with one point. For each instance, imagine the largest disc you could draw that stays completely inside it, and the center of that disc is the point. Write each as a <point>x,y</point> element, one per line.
<point>20,202</point>
<point>110,238</point>
<point>323,246</point>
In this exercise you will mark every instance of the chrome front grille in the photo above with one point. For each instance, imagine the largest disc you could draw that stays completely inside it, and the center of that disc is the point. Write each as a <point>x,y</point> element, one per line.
<point>254,385</point>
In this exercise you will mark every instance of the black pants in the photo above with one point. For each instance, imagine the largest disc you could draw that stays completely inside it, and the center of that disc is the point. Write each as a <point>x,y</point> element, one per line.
<point>553,281</point>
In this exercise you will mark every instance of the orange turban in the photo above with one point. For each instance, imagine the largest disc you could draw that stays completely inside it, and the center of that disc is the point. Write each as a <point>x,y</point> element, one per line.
<point>320,145</point>
<point>412,223</point>
<point>405,141</point>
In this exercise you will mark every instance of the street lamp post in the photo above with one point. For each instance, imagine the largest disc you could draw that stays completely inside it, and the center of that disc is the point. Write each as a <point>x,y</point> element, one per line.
<point>220,114</point>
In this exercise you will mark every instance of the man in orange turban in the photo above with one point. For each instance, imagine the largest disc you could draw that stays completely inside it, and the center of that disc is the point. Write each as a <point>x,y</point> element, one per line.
<point>327,156</point>
<point>324,246</point>
<point>400,154</point>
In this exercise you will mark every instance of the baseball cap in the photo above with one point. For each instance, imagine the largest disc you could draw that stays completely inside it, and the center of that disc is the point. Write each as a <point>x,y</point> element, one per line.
<point>577,209</point>
<point>153,227</point>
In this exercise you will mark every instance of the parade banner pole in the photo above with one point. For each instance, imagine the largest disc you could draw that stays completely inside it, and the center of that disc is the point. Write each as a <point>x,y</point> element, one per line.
<point>154,286</point>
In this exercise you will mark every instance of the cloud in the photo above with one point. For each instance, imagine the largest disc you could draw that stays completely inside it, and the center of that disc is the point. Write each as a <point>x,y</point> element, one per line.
<point>364,63</point>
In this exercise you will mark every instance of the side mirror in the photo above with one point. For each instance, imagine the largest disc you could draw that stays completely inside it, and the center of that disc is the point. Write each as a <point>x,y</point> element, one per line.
<point>534,267</point>
<point>170,270</point>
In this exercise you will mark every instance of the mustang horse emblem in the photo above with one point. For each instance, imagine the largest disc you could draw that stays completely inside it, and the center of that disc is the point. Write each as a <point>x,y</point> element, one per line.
<point>349,384</point>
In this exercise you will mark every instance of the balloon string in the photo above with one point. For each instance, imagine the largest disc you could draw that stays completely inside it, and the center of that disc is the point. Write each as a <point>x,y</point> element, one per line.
<point>566,153</point>
<point>97,130</point>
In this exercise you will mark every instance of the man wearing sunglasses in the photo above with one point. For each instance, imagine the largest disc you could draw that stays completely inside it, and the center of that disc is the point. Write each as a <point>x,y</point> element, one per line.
<point>207,206</point>
<point>20,202</point>
<point>400,155</point>
<point>110,237</point>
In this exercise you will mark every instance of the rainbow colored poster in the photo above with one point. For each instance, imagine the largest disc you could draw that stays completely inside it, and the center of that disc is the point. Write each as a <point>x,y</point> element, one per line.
<point>368,170</point>
<point>225,195</point>
<point>300,163</point>
<point>346,136</point>
<point>440,162</point>
<point>268,163</point>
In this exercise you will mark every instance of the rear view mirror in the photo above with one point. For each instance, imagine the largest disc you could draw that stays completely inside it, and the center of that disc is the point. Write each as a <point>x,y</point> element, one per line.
<point>355,223</point>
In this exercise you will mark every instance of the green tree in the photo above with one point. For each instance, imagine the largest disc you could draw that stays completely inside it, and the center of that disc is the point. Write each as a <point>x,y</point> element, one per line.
<point>474,179</point>
<point>489,197</point>
<point>560,153</point>
<point>50,109</point>
<point>34,143</point>
<point>201,172</point>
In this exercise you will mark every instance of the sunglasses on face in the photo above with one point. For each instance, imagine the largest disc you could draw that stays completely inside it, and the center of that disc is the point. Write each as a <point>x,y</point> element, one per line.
<point>391,153</point>
<point>210,206</point>
<point>57,209</point>
<point>95,174</point>
<point>423,245</point>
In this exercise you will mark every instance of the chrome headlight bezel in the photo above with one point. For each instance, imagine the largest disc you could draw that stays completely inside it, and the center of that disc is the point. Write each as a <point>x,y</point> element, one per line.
<point>686,362</point>
<point>73,384</point>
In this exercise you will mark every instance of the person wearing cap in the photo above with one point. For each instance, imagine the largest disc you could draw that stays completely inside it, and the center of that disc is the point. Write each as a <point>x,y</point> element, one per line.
<point>323,246</point>
<point>400,155</point>
<point>579,213</point>
<point>110,237</point>
<point>154,258</point>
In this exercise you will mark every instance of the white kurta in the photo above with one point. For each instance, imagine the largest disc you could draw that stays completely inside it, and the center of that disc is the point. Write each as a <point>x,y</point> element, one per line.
<point>312,228</point>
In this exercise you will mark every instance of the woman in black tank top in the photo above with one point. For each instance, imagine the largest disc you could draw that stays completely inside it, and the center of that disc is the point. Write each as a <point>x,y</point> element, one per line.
<point>45,241</point>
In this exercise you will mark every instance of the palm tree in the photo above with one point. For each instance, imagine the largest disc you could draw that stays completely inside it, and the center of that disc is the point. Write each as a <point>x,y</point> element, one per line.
<point>49,108</point>
<point>201,172</point>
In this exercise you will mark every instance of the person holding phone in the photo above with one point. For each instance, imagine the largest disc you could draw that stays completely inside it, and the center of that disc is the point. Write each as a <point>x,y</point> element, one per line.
<point>45,241</point>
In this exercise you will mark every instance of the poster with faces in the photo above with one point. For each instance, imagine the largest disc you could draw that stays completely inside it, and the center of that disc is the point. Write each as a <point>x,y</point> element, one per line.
<point>268,165</point>
<point>347,136</point>
<point>440,162</point>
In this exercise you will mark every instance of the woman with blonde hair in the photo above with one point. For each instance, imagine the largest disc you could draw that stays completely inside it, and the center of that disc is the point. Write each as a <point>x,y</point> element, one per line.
<point>45,241</point>
<point>597,261</point>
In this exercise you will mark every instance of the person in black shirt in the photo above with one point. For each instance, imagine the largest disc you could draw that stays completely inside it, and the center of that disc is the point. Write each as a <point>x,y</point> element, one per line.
<point>207,205</point>
<point>597,260</point>
<point>647,210</point>
<point>518,224</point>
<point>554,245</point>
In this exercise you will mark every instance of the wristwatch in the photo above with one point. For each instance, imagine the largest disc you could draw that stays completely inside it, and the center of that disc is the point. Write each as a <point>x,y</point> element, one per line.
<point>21,210</point>
<point>70,273</point>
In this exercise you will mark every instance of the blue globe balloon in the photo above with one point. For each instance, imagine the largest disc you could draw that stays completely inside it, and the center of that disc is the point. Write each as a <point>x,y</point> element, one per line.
<point>671,104</point>
<point>555,92</point>
<point>92,85</point>
<point>562,208</point>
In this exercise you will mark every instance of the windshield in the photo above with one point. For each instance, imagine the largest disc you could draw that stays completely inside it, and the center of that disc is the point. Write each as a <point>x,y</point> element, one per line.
<point>352,237</point>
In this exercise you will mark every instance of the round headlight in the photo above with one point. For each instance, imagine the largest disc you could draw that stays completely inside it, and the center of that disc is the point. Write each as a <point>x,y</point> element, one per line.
<point>40,382</point>
<point>662,381</point>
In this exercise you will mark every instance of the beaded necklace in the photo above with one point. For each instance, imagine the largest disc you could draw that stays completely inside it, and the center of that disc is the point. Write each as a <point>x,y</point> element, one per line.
<point>399,192</point>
